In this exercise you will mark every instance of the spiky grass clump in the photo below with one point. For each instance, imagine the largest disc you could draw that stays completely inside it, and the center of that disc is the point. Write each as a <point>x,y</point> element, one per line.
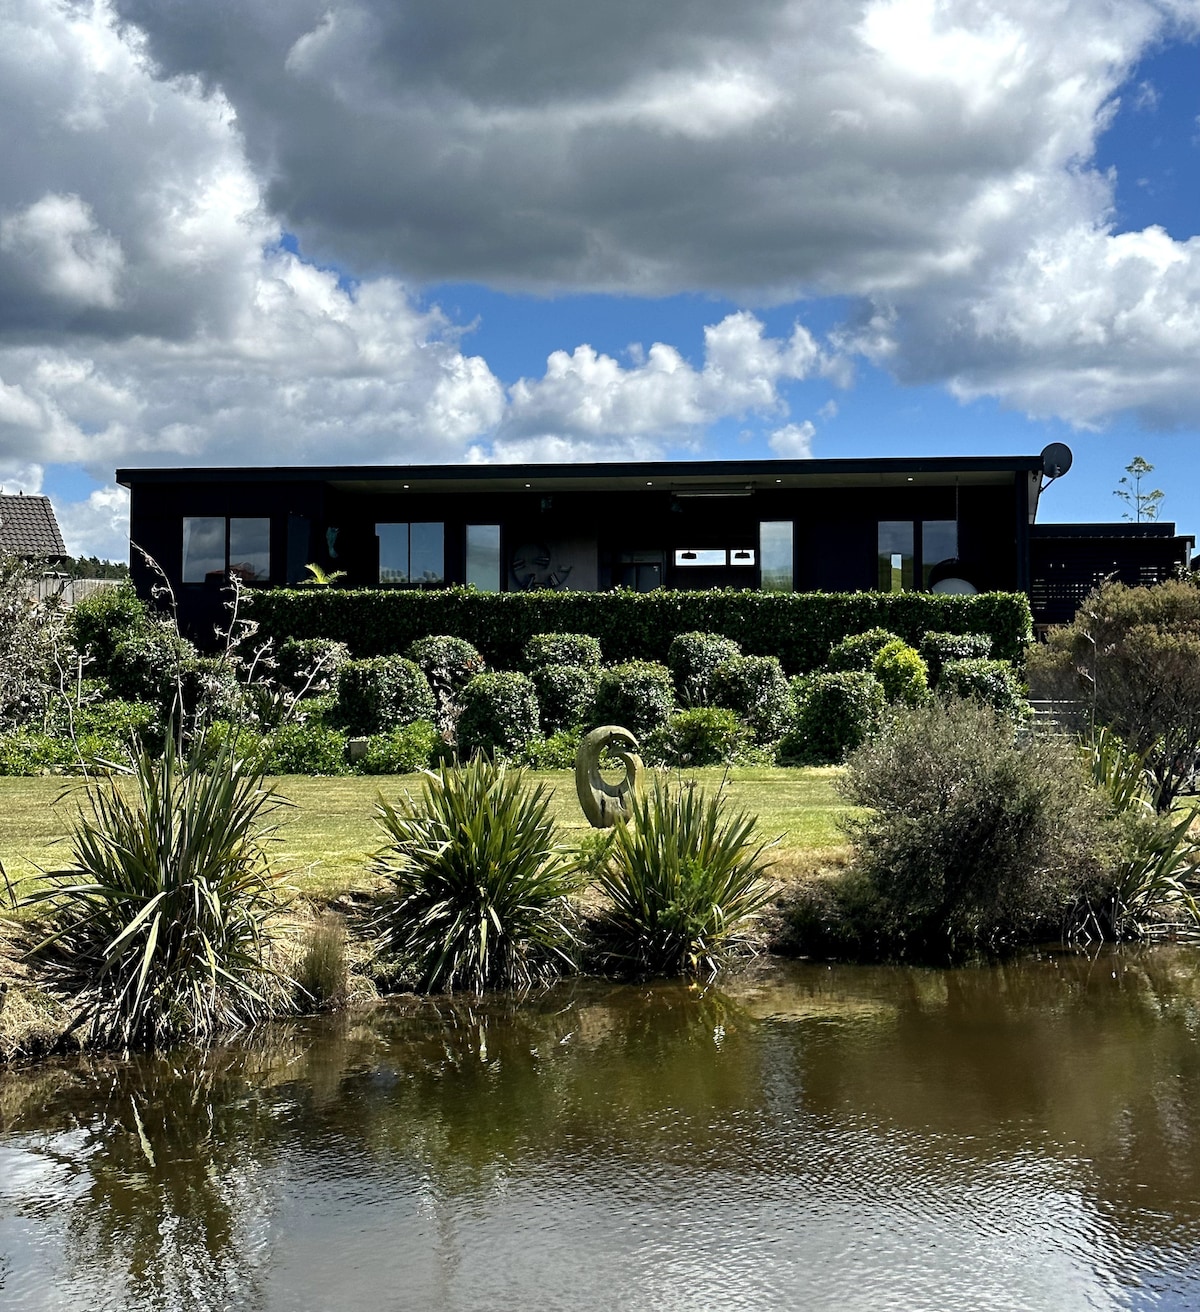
<point>479,887</point>
<point>161,923</point>
<point>683,882</point>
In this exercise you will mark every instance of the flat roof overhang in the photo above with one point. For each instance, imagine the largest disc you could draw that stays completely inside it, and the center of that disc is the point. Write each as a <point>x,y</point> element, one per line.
<point>710,477</point>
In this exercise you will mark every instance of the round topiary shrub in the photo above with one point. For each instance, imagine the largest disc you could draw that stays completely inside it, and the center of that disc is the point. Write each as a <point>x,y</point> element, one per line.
<point>994,683</point>
<point>448,663</point>
<point>901,673</point>
<point>499,714</point>
<point>835,713</point>
<point>701,735</point>
<point>636,695</point>
<point>404,750</point>
<point>144,666</point>
<point>308,748</point>
<point>858,651</point>
<point>757,689</point>
<point>566,695</point>
<point>938,648</point>
<point>578,649</point>
<point>693,659</point>
<point>376,695</point>
<point>309,666</point>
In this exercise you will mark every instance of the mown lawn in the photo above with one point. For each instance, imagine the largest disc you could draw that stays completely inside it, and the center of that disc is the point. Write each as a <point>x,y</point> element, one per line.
<point>328,833</point>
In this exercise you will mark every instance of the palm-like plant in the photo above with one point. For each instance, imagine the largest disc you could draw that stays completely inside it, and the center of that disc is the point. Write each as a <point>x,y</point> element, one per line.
<point>161,923</point>
<point>479,887</point>
<point>683,882</point>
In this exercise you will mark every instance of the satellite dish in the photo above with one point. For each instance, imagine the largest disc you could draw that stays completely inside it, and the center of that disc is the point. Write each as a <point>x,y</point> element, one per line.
<point>1056,459</point>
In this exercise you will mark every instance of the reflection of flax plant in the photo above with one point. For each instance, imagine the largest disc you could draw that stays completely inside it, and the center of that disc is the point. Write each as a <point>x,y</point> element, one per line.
<point>161,923</point>
<point>683,882</point>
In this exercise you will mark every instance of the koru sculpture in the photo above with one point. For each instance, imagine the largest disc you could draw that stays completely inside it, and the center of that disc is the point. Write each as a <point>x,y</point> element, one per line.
<point>604,803</point>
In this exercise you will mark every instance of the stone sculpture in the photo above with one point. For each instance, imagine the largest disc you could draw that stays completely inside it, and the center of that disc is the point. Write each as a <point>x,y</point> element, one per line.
<point>604,803</point>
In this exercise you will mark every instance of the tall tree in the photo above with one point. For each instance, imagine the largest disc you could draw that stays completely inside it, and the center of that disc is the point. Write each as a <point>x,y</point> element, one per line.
<point>1139,505</point>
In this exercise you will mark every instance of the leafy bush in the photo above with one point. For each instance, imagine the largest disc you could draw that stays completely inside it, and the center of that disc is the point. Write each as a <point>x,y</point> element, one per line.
<point>145,666</point>
<point>566,695</point>
<point>499,714</point>
<point>28,753</point>
<point>938,648</point>
<point>309,666</point>
<point>858,651</point>
<point>557,752</point>
<point>403,750</point>
<point>702,735</point>
<point>29,645</point>
<point>756,688</point>
<point>682,879</point>
<point>244,741</point>
<point>637,695</point>
<point>205,688</point>
<point>162,922</point>
<point>798,627</point>
<point>970,839</point>
<point>578,649</point>
<point>449,664</point>
<point>834,714</point>
<point>901,673</point>
<point>1133,656</point>
<point>375,695</point>
<point>479,888</point>
<point>305,748</point>
<point>99,623</point>
<point>994,683</point>
<point>693,659</point>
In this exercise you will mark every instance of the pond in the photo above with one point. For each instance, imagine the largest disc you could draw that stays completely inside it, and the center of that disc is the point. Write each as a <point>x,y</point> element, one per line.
<point>1023,1136</point>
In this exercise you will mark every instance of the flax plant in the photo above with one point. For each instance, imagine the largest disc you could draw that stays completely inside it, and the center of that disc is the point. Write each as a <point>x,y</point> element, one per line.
<point>479,889</point>
<point>161,924</point>
<point>683,883</point>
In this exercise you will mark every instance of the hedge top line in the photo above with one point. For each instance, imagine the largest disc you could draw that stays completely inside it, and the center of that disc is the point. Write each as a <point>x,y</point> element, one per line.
<point>798,627</point>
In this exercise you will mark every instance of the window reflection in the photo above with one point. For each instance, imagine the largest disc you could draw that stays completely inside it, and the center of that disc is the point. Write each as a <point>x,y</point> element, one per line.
<point>411,553</point>
<point>895,555</point>
<point>775,545</point>
<point>483,556</point>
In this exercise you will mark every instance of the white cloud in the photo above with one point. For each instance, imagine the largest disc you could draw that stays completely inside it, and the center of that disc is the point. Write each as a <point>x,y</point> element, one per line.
<point>65,254</point>
<point>98,526</point>
<point>793,441</point>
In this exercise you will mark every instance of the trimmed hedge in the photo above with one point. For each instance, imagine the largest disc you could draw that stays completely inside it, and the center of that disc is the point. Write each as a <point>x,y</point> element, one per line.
<point>938,648</point>
<point>757,689</point>
<point>835,713</point>
<point>994,683</point>
<point>637,695</point>
<point>857,651</point>
<point>499,714</point>
<point>800,627</point>
<point>703,735</point>
<point>566,695</point>
<point>376,695</point>
<point>902,673</point>
<point>578,649</point>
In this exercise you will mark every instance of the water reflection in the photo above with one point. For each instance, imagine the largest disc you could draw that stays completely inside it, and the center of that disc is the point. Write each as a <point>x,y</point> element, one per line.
<point>1021,1136</point>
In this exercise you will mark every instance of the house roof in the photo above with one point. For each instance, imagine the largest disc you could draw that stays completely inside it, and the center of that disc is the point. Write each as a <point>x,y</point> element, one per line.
<point>28,528</point>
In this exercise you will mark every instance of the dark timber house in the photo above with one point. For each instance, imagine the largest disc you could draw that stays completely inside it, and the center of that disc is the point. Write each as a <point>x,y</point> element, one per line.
<point>947,524</point>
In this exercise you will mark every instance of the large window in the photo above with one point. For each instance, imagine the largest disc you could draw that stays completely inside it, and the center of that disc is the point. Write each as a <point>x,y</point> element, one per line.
<point>214,546</point>
<point>775,551</point>
<point>411,553</point>
<point>483,556</point>
<point>902,542</point>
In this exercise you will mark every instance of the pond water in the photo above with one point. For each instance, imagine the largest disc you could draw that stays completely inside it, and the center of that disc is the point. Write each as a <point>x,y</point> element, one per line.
<point>1023,1136</point>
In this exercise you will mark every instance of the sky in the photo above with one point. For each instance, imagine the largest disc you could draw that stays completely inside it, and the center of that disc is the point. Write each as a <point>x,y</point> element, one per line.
<point>384,231</point>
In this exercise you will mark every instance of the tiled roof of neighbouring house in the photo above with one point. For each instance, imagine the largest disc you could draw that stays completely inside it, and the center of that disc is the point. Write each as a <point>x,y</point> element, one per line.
<point>28,528</point>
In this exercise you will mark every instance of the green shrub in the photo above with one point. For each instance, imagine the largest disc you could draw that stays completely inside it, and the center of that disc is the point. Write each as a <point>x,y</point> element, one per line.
<point>479,888</point>
<point>637,696</point>
<point>682,879</point>
<point>970,839</point>
<point>403,750</point>
<point>305,748</point>
<point>938,648</point>
<point>578,649</point>
<point>162,922</point>
<point>206,688</point>
<point>499,714</point>
<point>145,666</point>
<point>376,695</point>
<point>99,623</point>
<point>757,690</point>
<point>834,714</point>
<point>858,651</point>
<point>693,659</point>
<point>901,673</point>
<point>557,752</point>
<point>994,683</point>
<point>309,666</point>
<point>799,628</point>
<point>244,741</point>
<point>566,695</point>
<point>27,753</point>
<point>702,735</point>
<point>122,720</point>
<point>448,663</point>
